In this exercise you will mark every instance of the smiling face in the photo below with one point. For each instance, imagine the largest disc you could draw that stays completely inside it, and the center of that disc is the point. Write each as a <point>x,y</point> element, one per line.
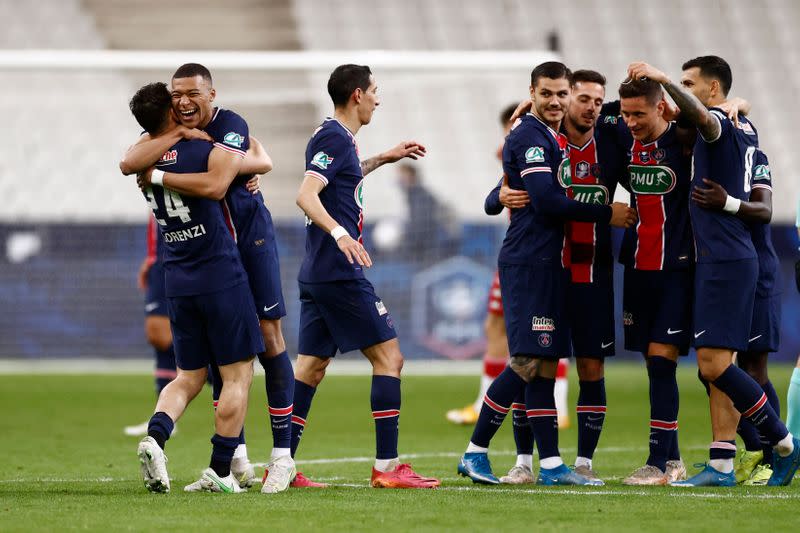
<point>192,101</point>
<point>585,105</point>
<point>644,119</point>
<point>550,99</point>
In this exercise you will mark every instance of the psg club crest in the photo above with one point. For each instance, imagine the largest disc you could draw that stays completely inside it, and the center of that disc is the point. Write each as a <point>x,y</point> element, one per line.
<point>545,340</point>
<point>448,303</point>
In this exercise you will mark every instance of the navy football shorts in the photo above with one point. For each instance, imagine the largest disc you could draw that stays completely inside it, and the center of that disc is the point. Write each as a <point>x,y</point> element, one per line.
<point>591,311</point>
<point>536,310</point>
<point>723,304</point>
<point>765,332</point>
<point>657,307</point>
<point>342,315</point>
<point>220,327</point>
<point>264,275</point>
<point>155,299</point>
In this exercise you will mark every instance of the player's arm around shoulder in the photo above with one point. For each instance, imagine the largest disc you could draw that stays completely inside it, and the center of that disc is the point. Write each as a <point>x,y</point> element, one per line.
<point>148,150</point>
<point>256,160</point>
<point>308,200</point>
<point>223,167</point>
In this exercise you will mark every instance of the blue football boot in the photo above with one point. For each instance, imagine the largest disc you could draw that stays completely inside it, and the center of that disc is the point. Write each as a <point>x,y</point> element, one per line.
<point>708,477</point>
<point>477,467</point>
<point>562,475</point>
<point>784,468</point>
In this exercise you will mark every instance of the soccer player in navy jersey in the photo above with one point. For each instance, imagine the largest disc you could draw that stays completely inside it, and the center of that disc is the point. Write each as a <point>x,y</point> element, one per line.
<point>726,272</point>
<point>228,171</point>
<point>658,259</point>
<point>339,308</point>
<point>753,467</point>
<point>212,312</point>
<point>150,279</point>
<point>534,278</point>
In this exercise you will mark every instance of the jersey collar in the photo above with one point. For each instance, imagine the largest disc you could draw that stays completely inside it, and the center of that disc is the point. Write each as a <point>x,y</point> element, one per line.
<point>553,132</point>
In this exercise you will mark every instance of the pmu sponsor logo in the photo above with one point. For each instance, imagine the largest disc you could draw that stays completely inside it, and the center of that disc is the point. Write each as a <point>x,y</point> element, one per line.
<point>184,235</point>
<point>565,173</point>
<point>655,179</point>
<point>590,194</point>
<point>170,157</point>
<point>541,323</point>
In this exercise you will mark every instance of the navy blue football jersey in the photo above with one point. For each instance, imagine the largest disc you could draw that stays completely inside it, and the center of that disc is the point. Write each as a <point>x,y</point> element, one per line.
<point>199,252</point>
<point>247,210</point>
<point>728,160</point>
<point>536,159</point>
<point>761,233</point>
<point>332,158</point>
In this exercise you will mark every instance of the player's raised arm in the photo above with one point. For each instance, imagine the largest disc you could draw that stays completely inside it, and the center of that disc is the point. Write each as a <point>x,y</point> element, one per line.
<point>256,160</point>
<point>148,150</point>
<point>410,149</point>
<point>308,200</point>
<point>223,167</point>
<point>691,108</point>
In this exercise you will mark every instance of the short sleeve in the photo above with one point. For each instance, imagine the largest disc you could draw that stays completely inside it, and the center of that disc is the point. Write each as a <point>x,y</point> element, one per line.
<point>534,159</point>
<point>761,177</point>
<point>233,134</point>
<point>724,125</point>
<point>325,155</point>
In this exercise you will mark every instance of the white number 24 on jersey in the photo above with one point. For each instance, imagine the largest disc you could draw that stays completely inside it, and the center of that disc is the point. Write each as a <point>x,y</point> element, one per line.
<point>173,203</point>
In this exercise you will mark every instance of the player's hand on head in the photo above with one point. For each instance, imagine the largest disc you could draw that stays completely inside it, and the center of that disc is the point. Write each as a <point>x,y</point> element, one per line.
<point>143,179</point>
<point>640,69</point>
<point>523,107</point>
<point>354,251</point>
<point>253,184</point>
<point>713,197</point>
<point>410,149</point>
<point>512,198</point>
<point>671,111</point>
<point>733,108</point>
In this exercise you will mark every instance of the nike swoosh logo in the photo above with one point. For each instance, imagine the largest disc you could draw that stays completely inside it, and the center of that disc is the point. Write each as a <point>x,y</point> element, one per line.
<point>754,338</point>
<point>603,345</point>
<point>221,484</point>
<point>270,307</point>
<point>699,333</point>
<point>670,331</point>
<point>151,306</point>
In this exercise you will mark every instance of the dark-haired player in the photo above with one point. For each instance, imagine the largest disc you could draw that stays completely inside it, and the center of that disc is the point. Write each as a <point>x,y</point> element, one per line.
<point>657,254</point>
<point>192,102</point>
<point>726,272</point>
<point>753,467</point>
<point>339,308</point>
<point>212,313</point>
<point>534,278</point>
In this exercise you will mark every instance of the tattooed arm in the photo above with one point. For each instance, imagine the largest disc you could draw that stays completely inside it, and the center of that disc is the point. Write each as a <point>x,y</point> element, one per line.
<point>691,108</point>
<point>410,149</point>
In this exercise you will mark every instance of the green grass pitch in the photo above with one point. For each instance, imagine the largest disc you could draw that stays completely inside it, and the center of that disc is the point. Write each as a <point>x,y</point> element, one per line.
<point>67,464</point>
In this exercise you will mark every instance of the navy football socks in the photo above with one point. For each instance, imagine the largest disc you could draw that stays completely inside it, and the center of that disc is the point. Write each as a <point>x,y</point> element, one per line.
<point>303,394</point>
<point>385,402</point>
<point>280,392</point>
<point>495,406</point>
<point>222,454</point>
<point>543,416</point>
<point>165,368</point>
<point>160,428</point>
<point>523,434</point>
<point>663,410</point>
<point>591,412</point>
<point>750,400</point>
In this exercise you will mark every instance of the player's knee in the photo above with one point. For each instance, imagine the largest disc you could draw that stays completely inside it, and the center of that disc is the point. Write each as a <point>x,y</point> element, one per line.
<point>190,382</point>
<point>710,368</point>
<point>310,370</point>
<point>590,369</point>
<point>273,337</point>
<point>158,333</point>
